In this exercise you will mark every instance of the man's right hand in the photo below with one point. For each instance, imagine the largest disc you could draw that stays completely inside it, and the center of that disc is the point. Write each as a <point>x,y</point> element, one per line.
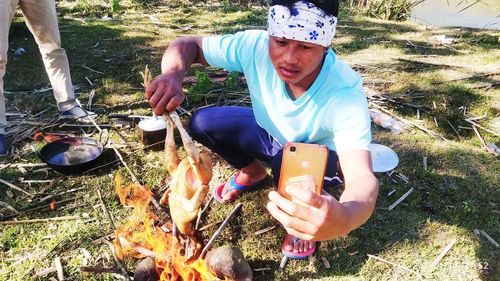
<point>165,93</point>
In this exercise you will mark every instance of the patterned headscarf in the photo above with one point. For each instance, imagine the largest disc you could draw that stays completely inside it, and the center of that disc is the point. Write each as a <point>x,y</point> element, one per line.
<point>304,22</point>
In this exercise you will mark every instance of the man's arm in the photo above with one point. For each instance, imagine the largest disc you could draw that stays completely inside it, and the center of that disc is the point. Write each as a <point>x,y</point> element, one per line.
<point>165,91</point>
<point>326,218</point>
<point>361,186</point>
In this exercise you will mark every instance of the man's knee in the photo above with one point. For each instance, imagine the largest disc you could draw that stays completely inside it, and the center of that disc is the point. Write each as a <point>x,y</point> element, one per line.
<point>197,125</point>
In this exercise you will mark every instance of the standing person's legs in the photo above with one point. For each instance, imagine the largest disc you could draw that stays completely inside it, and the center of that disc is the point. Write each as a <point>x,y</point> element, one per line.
<point>41,19</point>
<point>233,133</point>
<point>7,11</point>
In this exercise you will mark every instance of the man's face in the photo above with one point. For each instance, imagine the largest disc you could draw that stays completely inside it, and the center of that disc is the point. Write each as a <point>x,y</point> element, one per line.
<point>297,63</point>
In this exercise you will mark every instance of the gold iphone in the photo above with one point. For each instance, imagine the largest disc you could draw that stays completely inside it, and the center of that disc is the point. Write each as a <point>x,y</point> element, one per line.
<point>303,165</point>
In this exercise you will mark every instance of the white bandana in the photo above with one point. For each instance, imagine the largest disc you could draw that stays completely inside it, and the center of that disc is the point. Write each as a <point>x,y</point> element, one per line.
<point>305,22</point>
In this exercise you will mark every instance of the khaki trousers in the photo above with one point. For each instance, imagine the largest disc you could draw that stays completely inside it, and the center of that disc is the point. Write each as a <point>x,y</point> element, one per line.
<point>41,18</point>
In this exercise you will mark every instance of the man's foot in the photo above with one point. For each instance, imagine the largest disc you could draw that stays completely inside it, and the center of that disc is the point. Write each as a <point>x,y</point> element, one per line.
<point>296,248</point>
<point>249,177</point>
<point>77,113</point>
<point>4,146</point>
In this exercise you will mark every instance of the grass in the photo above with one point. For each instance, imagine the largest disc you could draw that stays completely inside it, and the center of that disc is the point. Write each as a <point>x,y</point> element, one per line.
<point>457,193</point>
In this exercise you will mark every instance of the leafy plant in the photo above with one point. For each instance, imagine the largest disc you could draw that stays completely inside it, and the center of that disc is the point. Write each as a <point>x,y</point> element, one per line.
<point>385,9</point>
<point>115,6</point>
<point>232,81</point>
<point>202,86</point>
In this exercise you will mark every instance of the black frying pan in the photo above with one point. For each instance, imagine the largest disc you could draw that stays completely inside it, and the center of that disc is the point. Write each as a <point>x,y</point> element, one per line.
<point>72,155</point>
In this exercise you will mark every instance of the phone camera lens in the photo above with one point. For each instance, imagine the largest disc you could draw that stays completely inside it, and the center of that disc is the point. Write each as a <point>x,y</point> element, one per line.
<point>293,148</point>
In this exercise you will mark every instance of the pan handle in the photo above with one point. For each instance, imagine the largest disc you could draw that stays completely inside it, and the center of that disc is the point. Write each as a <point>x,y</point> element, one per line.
<point>104,134</point>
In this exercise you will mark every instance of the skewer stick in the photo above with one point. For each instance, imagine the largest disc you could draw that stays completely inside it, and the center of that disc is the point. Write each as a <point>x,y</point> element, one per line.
<point>15,187</point>
<point>219,230</point>
<point>492,241</point>
<point>396,265</point>
<point>202,211</point>
<point>481,127</point>
<point>9,207</point>
<point>117,239</point>
<point>269,228</point>
<point>283,262</point>
<point>117,261</point>
<point>64,218</point>
<point>443,253</point>
<point>400,199</point>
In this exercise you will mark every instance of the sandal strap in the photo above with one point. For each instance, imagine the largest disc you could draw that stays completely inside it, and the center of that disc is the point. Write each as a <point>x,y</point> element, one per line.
<point>235,186</point>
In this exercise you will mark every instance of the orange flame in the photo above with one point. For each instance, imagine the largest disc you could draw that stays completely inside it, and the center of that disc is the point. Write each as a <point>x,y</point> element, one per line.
<point>140,236</point>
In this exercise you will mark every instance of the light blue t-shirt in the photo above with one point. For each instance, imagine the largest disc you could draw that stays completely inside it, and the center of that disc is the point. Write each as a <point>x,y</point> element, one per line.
<point>332,112</point>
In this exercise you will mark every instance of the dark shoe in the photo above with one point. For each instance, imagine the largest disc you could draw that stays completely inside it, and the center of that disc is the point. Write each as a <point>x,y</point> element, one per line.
<point>4,146</point>
<point>79,114</point>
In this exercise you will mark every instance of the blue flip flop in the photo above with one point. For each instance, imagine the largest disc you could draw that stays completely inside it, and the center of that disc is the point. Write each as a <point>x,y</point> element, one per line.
<point>233,186</point>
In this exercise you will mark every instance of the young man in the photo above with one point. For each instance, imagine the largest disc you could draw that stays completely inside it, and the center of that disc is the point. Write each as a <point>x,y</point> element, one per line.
<point>300,92</point>
<point>41,19</point>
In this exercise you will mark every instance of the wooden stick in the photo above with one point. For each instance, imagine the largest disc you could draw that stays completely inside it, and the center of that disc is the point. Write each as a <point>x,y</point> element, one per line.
<point>122,268</point>
<point>24,165</point>
<point>51,196</point>
<point>400,199</point>
<point>219,230</point>
<point>9,207</point>
<point>422,128</point>
<point>492,241</point>
<point>269,228</point>
<point>455,130</point>
<point>424,162</point>
<point>469,77</point>
<point>479,136</point>
<point>326,263</point>
<point>443,253</point>
<point>36,181</point>
<point>284,259</point>
<point>210,225</point>
<point>15,187</point>
<point>111,222</point>
<point>396,265</point>
<point>93,70</point>
<point>117,239</point>
<point>40,207</point>
<point>481,127</point>
<point>59,268</point>
<point>202,211</point>
<point>99,269</point>
<point>64,218</point>
<point>45,272</point>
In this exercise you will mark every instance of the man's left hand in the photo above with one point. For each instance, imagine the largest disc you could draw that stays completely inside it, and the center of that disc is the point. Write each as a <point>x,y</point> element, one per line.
<point>323,217</point>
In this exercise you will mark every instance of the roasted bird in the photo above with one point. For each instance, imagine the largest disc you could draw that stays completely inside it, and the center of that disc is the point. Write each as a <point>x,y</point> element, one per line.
<point>189,178</point>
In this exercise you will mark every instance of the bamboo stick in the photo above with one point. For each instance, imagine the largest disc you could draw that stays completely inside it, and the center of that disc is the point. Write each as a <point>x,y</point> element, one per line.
<point>481,127</point>
<point>492,241</point>
<point>15,187</point>
<point>443,253</point>
<point>390,208</point>
<point>267,229</point>
<point>219,230</point>
<point>396,265</point>
<point>64,218</point>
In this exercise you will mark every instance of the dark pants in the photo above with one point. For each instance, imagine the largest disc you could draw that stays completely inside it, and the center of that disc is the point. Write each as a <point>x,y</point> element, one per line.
<point>233,133</point>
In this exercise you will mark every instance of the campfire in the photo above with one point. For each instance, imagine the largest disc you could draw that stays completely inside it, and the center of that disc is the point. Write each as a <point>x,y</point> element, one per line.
<point>143,235</point>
